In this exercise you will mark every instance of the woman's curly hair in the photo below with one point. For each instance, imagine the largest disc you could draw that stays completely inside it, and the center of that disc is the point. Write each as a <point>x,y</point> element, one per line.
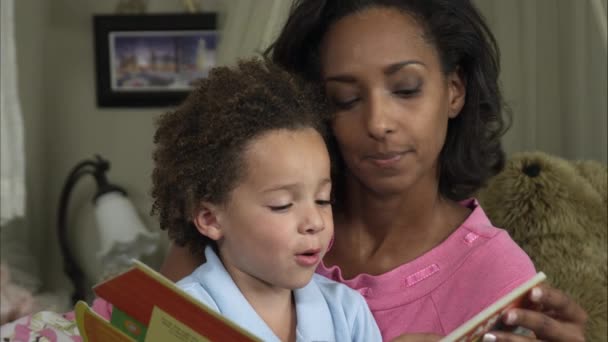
<point>199,146</point>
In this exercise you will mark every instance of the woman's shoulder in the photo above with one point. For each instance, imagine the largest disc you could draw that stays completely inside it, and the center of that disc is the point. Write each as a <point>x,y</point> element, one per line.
<point>492,246</point>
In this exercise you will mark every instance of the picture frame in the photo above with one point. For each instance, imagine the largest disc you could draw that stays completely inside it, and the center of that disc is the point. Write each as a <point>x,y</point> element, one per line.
<point>152,60</point>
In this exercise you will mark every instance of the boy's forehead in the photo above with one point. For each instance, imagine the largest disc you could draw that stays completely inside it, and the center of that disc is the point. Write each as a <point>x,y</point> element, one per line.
<point>285,156</point>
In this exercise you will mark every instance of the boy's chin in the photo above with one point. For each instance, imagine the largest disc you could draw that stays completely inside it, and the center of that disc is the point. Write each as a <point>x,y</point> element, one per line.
<point>299,282</point>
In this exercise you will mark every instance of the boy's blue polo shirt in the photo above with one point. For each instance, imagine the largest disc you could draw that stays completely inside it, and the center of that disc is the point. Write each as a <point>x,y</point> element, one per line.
<point>326,310</point>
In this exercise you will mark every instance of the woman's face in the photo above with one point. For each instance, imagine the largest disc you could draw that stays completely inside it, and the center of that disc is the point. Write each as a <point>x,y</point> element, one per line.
<point>392,100</point>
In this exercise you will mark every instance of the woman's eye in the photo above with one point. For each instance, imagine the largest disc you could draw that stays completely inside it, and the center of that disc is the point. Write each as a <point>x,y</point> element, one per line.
<point>280,207</point>
<point>347,104</point>
<point>406,92</point>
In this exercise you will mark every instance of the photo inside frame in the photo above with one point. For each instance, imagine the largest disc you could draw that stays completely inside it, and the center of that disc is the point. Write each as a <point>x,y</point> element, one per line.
<point>160,60</point>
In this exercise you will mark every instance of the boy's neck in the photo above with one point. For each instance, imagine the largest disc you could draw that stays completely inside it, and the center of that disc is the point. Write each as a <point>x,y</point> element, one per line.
<point>274,305</point>
<point>279,314</point>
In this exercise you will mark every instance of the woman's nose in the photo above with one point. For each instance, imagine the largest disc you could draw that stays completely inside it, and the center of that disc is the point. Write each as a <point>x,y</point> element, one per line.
<point>378,116</point>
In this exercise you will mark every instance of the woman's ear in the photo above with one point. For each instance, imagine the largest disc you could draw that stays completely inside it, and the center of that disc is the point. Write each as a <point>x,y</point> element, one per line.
<point>457,90</point>
<point>206,221</point>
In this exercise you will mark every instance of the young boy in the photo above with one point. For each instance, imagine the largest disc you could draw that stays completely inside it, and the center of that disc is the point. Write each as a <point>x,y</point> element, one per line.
<point>242,173</point>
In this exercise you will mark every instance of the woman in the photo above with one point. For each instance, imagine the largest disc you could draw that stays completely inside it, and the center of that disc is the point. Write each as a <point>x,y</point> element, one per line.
<point>417,123</point>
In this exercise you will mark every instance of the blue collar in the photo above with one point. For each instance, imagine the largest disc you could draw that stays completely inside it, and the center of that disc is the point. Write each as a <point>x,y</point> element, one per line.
<point>314,320</point>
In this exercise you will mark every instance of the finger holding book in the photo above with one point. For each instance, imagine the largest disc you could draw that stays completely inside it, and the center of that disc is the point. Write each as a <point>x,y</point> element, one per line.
<point>556,317</point>
<point>424,337</point>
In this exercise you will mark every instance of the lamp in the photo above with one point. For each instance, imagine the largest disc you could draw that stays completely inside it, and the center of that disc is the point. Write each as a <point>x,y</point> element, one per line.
<point>122,234</point>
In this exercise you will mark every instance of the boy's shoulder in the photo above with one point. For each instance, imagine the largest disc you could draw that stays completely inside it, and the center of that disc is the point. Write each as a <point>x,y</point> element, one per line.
<point>336,293</point>
<point>193,286</point>
<point>351,317</point>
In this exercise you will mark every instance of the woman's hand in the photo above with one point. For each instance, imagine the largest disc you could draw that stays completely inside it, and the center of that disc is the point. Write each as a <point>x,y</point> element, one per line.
<point>417,338</point>
<point>555,317</point>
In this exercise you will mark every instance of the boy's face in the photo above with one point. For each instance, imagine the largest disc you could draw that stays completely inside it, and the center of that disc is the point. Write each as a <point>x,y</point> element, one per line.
<point>277,224</point>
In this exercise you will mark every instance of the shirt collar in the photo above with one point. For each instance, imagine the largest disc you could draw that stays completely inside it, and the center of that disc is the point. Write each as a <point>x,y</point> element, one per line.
<point>314,321</point>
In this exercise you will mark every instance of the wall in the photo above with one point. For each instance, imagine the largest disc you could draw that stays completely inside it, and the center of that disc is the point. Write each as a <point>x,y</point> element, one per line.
<point>64,125</point>
<point>554,75</point>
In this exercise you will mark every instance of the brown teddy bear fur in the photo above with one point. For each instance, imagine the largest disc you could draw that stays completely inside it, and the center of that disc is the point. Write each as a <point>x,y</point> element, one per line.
<point>556,210</point>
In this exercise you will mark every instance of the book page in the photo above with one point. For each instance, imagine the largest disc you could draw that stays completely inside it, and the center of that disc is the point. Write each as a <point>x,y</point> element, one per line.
<point>164,328</point>
<point>94,328</point>
<point>140,290</point>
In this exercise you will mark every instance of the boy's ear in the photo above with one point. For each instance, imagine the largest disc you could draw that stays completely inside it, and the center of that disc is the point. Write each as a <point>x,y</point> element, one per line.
<point>206,221</point>
<point>457,89</point>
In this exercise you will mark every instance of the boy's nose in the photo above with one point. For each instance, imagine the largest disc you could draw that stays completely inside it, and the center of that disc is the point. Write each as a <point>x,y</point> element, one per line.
<point>313,222</point>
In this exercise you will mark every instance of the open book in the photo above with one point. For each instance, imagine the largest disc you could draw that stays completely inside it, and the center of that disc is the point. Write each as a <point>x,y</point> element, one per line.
<point>148,307</point>
<point>489,319</point>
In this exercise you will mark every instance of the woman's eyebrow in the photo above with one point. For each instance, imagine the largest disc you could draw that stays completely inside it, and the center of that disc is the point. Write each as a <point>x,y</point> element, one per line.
<point>393,68</point>
<point>341,78</point>
<point>388,70</point>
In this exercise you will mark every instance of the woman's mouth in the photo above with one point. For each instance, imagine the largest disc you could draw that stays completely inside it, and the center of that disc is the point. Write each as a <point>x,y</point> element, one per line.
<point>385,160</point>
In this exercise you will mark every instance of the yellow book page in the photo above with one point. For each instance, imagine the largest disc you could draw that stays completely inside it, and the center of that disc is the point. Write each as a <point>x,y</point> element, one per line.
<point>164,328</point>
<point>94,328</point>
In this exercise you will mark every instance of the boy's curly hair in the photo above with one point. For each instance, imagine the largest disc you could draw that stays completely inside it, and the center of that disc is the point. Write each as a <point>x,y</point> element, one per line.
<point>199,146</point>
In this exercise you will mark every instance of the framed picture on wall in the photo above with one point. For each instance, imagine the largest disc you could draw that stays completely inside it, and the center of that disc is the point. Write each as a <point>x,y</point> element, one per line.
<point>152,60</point>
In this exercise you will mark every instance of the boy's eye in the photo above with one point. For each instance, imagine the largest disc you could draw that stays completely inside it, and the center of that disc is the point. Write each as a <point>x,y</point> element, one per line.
<point>280,207</point>
<point>324,202</point>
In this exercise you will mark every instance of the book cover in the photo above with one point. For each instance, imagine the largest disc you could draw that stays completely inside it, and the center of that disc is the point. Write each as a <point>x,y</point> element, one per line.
<point>489,319</point>
<point>93,327</point>
<point>149,307</point>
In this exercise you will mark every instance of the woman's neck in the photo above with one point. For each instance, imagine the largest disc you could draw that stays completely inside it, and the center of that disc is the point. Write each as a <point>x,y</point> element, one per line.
<point>274,305</point>
<point>376,233</point>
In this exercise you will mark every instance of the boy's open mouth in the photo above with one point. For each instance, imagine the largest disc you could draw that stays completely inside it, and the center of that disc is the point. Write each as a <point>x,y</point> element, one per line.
<point>309,257</point>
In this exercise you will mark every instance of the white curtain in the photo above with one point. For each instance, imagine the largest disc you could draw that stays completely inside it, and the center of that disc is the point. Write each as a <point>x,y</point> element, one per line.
<point>12,176</point>
<point>554,74</point>
<point>249,27</point>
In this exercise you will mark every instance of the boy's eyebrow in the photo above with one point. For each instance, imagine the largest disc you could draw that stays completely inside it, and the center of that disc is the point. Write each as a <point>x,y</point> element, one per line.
<point>388,70</point>
<point>292,186</point>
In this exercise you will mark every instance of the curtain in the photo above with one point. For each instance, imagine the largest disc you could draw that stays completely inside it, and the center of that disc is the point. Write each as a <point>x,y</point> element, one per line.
<point>554,74</point>
<point>250,26</point>
<point>12,176</point>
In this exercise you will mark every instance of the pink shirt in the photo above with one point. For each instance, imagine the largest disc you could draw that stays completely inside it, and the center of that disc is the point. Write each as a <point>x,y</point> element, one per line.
<point>438,291</point>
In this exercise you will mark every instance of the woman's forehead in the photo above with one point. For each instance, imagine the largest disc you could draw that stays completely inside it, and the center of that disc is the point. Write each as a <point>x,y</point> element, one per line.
<point>375,37</point>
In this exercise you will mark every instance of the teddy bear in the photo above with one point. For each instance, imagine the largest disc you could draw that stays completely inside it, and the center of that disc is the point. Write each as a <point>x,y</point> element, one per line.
<point>556,210</point>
